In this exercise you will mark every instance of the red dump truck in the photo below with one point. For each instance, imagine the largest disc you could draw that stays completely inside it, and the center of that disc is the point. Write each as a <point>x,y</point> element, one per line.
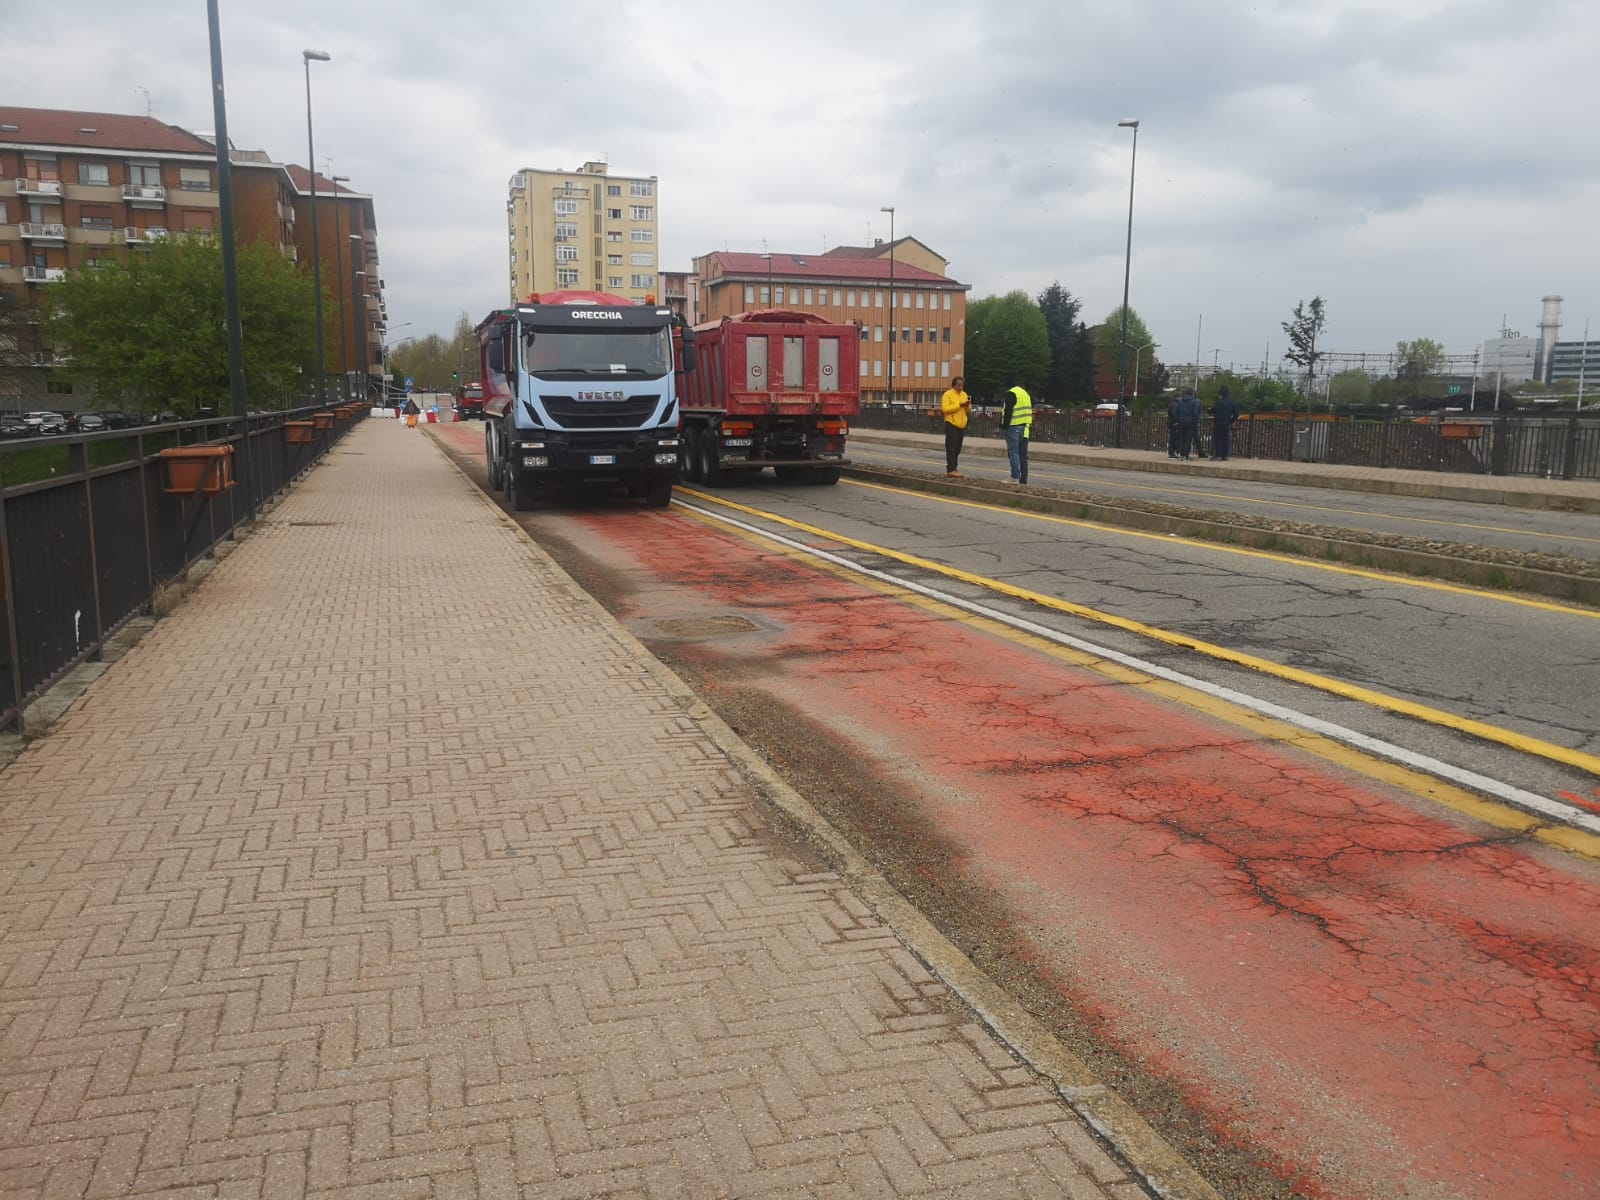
<point>773,388</point>
<point>469,401</point>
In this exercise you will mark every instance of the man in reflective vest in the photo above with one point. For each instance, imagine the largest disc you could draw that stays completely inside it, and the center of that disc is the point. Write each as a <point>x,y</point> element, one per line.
<point>1016,424</point>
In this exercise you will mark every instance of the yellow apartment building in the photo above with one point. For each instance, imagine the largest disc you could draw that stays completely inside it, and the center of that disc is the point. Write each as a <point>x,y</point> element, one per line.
<point>586,229</point>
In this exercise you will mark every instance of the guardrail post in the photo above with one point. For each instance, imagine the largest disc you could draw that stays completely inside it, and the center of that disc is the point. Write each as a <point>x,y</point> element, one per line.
<point>1569,469</point>
<point>1502,448</point>
<point>9,592</point>
<point>78,460</point>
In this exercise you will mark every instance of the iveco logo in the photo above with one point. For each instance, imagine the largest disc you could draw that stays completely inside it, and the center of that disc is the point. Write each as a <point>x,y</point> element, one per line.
<point>588,315</point>
<point>599,395</point>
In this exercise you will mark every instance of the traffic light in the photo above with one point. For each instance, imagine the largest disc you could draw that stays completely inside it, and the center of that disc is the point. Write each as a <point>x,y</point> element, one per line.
<point>455,374</point>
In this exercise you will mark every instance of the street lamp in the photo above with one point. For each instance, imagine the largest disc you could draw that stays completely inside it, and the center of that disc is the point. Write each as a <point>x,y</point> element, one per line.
<point>889,208</point>
<point>771,299</point>
<point>338,258</point>
<point>1127,269</point>
<point>316,246</point>
<point>360,309</point>
<point>1137,351</point>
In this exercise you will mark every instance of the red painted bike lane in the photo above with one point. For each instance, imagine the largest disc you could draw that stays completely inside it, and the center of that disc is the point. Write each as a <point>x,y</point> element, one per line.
<point>1378,997</point>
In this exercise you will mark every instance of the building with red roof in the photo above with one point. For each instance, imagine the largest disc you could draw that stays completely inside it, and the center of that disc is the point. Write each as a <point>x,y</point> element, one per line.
<point>913,334</point>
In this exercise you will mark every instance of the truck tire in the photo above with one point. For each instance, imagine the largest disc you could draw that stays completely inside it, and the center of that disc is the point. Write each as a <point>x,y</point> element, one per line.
<point>689,456</point>
<point>790,474</point>
<point>496,468</point>
<point>659,492</point>
<point>826,476</point>
<point>711,472</point>
<point>522,493</point>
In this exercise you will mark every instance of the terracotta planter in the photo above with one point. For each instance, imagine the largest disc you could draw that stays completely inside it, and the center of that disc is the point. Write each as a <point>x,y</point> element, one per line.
<point>299,433</point>
<point>198,470</point>
<point>322,420</point>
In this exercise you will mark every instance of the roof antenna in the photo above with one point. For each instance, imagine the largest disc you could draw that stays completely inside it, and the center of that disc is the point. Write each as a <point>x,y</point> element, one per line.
<point>146,92</point>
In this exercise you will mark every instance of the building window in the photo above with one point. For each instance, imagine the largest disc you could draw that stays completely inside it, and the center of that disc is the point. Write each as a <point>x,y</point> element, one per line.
<point>194,179</point>
<point>765,298</point>
<point>94,174</point>
<point>905,335</point>
<point>836,296</point>
<point>5,258</point>
<point>94,221</point>
<point>613,235</point>
<point>749,293</point>
<point>642,187</point>
<point>794,295</point>
<point>919,334</point>
<point>198,221</point>
<point>614,281</point>
<point>642,212</point>
<point>944,370</point>
<point>863,333</point>
<point>877,299</point>
<point>863,368</point>
<point>944,335</point>
<point>918,368</point>
<point>565,207</point>
<point>919,299</point>
<point>809,300</point>
<point>642,258</point>
<point>566,229</point>
<point>850,298</point>
<point>613,189</point>
<point>57,387</point>
<point>643,281</point>
<point>613,214</point>
<point>877,333</point>
<point>894,299</point>
<point>97,263</point>
<point>566,276</point>
<point>144,174</point>
<point>641,235</point>
<point>613,260</point>
<point>877,370</point>
<point>566,254</point>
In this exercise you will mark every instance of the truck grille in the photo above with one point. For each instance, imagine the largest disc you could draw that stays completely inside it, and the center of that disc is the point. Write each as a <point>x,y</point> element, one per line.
<point>600,414</point>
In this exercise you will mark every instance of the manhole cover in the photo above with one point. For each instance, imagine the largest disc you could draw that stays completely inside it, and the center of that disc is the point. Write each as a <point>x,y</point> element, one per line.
<point>702,627</point>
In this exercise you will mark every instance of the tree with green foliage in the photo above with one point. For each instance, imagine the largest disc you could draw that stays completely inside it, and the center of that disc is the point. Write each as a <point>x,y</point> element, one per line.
<point>438,363</point>
<point>1417,363</point>
<point>1350,389</point>
<point>149,332</point>
<point>1006,337</point>
<point>1304,330</point>
<point>1070,380</point>
<point>1108,351</point>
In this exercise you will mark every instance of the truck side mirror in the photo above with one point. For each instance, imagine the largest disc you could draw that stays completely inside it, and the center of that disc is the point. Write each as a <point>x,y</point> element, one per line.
<point>496,356</point>
<point>686,354</point>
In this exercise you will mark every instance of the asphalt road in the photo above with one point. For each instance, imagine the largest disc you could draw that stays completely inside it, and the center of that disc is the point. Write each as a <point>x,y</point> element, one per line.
<point>1250,834</point>
<point>1575,535</point>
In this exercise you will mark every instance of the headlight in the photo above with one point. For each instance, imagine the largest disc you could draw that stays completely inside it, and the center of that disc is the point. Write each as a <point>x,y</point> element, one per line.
<point>665,442</point>
<point>532,445</point>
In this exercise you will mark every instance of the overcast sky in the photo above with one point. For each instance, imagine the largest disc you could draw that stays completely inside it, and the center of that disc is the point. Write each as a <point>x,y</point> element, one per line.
<point>1426,166</point>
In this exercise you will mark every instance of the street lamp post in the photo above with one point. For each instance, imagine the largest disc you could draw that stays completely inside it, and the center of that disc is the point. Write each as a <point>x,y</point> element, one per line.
<point>359,316</point>
<point>889,208</point>
<point>1127,271</point>
<point>311,56</point>
<point>345,381</point>
<point>771,299</point>
<point>1137,351</point>
<point>357,294</point>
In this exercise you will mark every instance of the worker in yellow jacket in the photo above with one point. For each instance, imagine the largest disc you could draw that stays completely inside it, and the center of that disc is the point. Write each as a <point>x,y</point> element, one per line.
<point>1016,425</point>
<point>957,407</point>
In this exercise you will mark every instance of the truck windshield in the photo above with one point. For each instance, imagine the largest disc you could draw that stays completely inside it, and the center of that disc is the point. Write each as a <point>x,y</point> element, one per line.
<point>552,353</point>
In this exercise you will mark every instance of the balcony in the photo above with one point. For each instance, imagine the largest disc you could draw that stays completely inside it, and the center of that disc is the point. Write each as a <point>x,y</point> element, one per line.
<point>42,274</point>
<point>143,237</point>
<point>47,231</point>
<point>144,193</point>
<point>39,187</point>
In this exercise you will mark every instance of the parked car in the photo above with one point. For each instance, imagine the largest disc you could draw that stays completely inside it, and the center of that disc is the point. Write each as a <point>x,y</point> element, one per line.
<point>13,426</point>
<point>165,417</point>
<point>46,424</point>
<point>115,419</point>
<point>91,423</point>
<point>1105,412</point>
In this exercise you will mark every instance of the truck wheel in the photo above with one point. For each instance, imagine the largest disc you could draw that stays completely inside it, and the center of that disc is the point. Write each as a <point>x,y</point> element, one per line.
<point>826,476</point>
<point>789,474</point>
<point>711,472</point>
<point>659,492</point>
<point>689,456</point>
<point>496,469</point>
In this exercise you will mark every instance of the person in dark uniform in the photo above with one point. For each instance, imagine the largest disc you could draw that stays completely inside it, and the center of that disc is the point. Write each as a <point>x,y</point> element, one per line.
<point>1223,414</point>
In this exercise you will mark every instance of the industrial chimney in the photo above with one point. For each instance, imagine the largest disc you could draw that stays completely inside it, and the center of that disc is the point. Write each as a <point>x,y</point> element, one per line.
<point>1549,330</point>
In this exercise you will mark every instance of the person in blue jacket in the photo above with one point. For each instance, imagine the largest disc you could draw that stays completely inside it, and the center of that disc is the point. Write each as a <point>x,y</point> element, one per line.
<point>1188,422</point>
<point>1223,414</point>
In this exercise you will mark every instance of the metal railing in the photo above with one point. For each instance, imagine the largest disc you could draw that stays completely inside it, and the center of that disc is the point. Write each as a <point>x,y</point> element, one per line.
<point>89,534</point>
<point>1566,446</point>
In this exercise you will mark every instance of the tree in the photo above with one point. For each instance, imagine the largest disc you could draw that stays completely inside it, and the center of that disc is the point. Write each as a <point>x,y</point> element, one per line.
<point>436,362</point>
<point>1006,337</point>
<point>149,332</point>
<point>1070,380</point>
<point>1303,332</point>
<point>1417,361</point>
<point>1108,357</point>
<point>1350,389</point>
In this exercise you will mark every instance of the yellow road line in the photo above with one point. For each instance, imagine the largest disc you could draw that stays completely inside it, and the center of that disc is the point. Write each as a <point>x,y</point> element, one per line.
<point>1265,555</point>
<point>1522,743</point>
<point>1044,466</point>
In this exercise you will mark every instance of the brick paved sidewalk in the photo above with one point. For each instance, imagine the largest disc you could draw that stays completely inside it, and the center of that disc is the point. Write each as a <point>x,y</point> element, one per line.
<point>384,867</point>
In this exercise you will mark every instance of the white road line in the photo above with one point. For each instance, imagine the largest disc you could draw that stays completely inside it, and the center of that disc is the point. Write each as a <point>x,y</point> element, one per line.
<point>1532,802</point>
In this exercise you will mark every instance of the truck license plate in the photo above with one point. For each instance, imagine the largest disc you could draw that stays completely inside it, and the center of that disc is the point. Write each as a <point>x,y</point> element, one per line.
<point>602,460</point>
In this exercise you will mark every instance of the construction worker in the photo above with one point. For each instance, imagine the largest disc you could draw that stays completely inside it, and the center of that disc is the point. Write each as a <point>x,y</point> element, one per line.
<point>1016,425</point>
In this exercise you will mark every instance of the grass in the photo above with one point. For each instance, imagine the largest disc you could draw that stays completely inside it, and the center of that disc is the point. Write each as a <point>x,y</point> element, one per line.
<point>35,463</point>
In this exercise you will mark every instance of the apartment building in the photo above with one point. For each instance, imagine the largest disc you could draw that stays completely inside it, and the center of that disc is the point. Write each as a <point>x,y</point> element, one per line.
<point>347,240</point>
<point>913,333</point>
<point>586,229</point>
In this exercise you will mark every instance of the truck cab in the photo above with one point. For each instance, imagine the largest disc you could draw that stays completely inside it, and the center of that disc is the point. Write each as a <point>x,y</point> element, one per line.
<point>581,388</point>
